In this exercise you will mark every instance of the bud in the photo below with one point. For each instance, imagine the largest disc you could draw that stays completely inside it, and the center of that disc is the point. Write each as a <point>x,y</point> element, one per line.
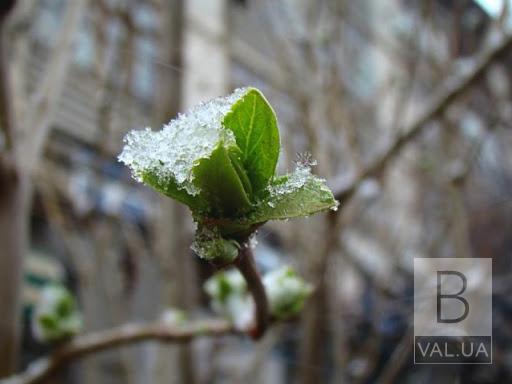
<point>220,159</point>
<point>230,298</point>
<point>209,245</point>
<point>286,292</point>
<point>56,316</point>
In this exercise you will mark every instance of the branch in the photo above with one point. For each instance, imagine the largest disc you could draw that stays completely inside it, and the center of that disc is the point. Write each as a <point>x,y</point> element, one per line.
<point>6,115</point>
<point>44,104</point>
<point>449,92</point>
<point>247,267</point>
<point>93,342</point>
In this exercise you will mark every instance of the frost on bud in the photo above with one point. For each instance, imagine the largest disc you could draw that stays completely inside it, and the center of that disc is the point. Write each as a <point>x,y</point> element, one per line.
<point>56,316</point>
<point>286,292</point>
<point>230,298</point>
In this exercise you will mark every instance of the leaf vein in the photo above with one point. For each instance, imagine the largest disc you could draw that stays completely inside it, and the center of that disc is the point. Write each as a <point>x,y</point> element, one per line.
<point>251,125</point>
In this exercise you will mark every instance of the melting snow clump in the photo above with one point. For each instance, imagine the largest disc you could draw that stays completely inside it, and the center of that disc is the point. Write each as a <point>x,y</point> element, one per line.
<point>172,152</point>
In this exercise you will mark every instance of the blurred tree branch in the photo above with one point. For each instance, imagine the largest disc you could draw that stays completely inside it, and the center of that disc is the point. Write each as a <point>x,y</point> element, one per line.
<point>6,118</point>
<point>24,139</point>
<point>453,88</point>
<point>44,101</point>
<point>93,342</point>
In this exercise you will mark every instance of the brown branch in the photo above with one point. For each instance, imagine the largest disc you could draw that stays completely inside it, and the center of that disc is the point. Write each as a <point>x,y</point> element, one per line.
<point>450,91</point>
<point>247,267</point>
<point>6,115</point>
<point>87,344</point>
<point>398,359</point>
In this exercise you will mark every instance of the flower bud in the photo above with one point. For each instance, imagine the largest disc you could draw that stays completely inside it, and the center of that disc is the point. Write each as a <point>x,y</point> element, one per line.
<point>286,292</point>
<point>230,298</point>
<point>56,316</point>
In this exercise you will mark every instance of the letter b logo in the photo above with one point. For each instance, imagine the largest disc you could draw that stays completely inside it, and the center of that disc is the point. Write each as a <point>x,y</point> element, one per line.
<point>452,309</point>
<point>441,295</point>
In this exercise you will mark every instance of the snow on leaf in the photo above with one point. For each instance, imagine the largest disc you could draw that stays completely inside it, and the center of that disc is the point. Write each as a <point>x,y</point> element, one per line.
<point>297,194</point>
<point>172,152</point>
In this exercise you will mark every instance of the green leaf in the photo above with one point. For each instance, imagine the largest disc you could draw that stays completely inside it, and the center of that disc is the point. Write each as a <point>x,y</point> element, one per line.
<point>235,157</point>
<point>220,184</point>
<point>254,124</point>
<point>170,188</point>
<point>291,198</point>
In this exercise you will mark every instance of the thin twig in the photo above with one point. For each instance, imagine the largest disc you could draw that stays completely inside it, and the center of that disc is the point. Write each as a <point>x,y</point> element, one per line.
<point>397,360</point>
<point>247,267</point>
<point>87,344</point>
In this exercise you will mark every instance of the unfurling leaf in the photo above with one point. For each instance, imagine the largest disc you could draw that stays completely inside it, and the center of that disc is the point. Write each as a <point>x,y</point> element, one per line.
<point>298,194</point>
<point>254,124</point>
<point>220,184</point>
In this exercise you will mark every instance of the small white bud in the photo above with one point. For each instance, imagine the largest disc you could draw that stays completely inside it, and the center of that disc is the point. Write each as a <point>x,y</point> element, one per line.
<point>56,316</point>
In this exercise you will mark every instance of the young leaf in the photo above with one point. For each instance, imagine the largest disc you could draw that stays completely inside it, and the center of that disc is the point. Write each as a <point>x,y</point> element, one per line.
<point>235,157</point>
<point>254,124</point>
<point>170,188</point>
<point>294,195</point>
<point>164,159</point>
<point>220,184</point>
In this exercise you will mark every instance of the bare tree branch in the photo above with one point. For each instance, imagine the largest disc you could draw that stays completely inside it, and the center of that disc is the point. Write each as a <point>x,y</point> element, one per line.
<point>450,91</point>
<point>87,344</point>
<point>45,100</point>
<point>6,116</point>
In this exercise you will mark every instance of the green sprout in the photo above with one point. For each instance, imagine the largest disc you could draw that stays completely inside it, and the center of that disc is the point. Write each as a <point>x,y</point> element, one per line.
<point>220,160</point>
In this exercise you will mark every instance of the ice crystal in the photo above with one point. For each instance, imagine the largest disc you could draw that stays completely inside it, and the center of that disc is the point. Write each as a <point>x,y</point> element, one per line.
<point>305,159</point>
<point>294,181</point>
<point>173,151</point>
